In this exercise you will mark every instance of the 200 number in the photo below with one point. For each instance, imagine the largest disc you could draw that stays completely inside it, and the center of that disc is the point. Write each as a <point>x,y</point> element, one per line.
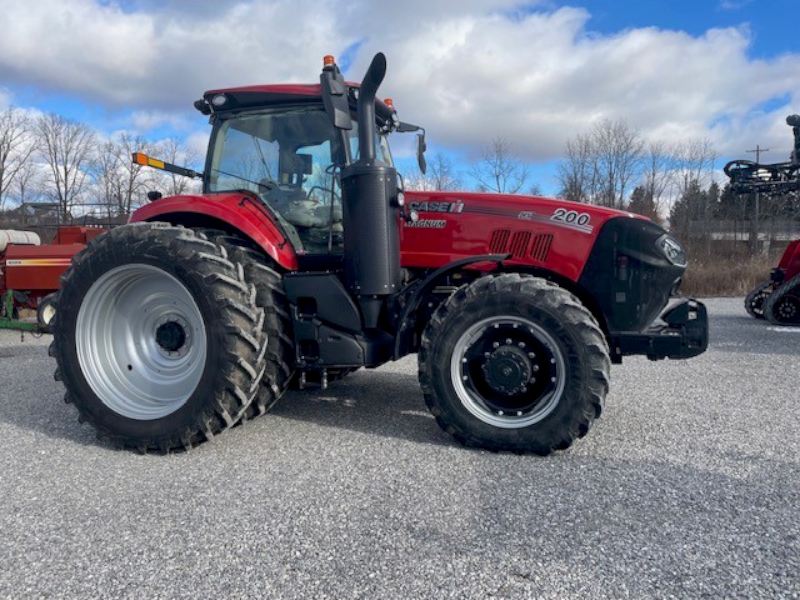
<point>571,216</point>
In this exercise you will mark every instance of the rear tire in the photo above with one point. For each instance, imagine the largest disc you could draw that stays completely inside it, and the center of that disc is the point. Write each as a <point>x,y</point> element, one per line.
<point>158,337</point>
<point>783,306</point>
<point>754,302</point>
<point>513,362</point>
<point>277,324</point>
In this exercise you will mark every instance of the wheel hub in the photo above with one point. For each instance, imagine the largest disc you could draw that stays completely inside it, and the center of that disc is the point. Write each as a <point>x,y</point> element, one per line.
<point>171,336</point>
<point>787,310</point>
<point>507,370</point>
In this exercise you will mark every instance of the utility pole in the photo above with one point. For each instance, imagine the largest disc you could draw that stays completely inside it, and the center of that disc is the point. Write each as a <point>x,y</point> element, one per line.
<point>755,229</point>
<point>758,150</point>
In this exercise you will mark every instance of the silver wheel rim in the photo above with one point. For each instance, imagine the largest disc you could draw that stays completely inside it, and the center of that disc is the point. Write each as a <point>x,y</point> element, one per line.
<point>518,330</point>
<point>141,342</point>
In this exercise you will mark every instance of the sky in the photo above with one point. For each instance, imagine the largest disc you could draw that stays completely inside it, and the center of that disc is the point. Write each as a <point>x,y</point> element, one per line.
<point>533,73</point>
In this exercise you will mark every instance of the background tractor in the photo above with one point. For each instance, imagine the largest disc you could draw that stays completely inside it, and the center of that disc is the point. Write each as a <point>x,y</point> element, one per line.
<point>776,299</point>
<point>303,259</point>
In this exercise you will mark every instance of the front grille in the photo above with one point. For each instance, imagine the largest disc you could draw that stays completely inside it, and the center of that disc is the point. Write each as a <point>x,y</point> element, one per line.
<point>499,242</point>
<point>541,247</point>
<point>519,244</point>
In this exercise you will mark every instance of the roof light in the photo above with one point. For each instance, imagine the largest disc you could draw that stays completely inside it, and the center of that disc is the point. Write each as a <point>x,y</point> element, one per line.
<point>328,60</point>
<point>219,100</point>
<point>389,102</point>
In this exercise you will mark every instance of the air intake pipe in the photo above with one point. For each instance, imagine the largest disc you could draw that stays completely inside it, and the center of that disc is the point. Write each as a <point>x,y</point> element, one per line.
<point>371,212</point>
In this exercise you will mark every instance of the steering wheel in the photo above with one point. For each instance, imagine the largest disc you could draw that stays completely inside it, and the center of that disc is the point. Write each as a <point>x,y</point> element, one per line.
<point>326,192</point>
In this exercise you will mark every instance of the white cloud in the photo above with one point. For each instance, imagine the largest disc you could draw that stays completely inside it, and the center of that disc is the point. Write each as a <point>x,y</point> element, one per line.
<point>468,71</point>
<point>148,120</point>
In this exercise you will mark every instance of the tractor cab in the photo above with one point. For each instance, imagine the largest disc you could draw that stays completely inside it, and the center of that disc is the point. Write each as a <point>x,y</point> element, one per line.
<point>279,143</point>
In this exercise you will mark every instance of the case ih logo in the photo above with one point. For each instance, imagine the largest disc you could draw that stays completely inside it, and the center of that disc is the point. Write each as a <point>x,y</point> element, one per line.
<point>438,207</point>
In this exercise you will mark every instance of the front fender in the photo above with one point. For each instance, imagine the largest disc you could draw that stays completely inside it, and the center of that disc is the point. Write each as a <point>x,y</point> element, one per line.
<point>406,321</point>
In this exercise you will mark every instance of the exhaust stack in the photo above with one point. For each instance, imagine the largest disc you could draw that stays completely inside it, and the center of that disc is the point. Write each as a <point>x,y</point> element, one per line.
<point>371,212</point>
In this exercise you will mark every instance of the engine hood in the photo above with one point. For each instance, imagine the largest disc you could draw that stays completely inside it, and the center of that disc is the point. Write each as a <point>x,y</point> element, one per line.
<point>537,232</point>
<point>531,208</point>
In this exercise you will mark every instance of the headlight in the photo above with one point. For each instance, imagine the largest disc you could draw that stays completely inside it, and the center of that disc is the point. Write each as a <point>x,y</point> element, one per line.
<point>672,250</point>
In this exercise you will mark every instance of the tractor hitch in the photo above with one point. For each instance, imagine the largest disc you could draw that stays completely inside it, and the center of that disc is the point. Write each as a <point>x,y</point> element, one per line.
<point>681,332</point>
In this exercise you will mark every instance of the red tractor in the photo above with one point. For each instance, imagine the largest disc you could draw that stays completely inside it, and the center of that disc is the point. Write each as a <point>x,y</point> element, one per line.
<point>304,259</point>
<point>778,298</point>
<point>30,272</point>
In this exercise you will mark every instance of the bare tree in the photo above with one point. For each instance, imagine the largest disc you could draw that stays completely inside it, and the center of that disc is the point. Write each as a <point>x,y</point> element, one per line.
<point>439,176</point>
<point>693,163</point>
<point>601,167</point>
<point>15,148</point>
<point>498,170</point>
<point>28,181</point>
<point>619,151</point>
<point>67,148</point>
<point>120,182</point>
<point>656,178</point>
<point>576,173</point>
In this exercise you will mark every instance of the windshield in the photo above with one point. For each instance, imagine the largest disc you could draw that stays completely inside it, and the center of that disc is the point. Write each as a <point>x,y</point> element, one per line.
<point>291,158</point>
<point>294,149</point>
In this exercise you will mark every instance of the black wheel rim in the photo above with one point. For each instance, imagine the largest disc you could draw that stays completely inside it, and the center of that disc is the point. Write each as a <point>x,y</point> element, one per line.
<point>508,371</point>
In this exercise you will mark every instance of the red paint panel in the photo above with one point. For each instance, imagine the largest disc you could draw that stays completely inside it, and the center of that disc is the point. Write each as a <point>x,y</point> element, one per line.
<point>240,211</point>
<point>77,235</point>
<point>563,233</point>
<point>790,261</point>
<point>37,268</point>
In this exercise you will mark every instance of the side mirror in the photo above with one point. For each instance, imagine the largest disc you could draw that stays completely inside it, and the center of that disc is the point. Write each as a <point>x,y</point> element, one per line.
<point>421,147</point>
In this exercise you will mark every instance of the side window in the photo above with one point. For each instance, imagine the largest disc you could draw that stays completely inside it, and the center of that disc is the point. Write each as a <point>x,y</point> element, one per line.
<point>246,161</point>
<point>314,212</point>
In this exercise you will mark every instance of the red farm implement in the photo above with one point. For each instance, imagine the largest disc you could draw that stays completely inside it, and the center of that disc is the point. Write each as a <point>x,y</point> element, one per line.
<point>30,273</point>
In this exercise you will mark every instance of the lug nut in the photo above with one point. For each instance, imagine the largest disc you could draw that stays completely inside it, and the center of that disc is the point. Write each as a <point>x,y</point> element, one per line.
<point>496,345</point>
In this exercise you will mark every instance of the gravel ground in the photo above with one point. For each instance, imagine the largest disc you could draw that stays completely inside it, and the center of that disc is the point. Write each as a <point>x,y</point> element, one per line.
<point>687,487</point>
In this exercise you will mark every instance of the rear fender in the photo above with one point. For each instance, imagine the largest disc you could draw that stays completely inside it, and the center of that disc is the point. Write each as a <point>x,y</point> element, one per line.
<point>237,213</point>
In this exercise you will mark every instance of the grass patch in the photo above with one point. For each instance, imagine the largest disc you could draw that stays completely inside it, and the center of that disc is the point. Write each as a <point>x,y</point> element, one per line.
<point>726,275</point>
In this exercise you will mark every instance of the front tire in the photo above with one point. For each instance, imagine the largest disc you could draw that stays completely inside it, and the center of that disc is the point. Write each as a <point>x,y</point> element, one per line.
<point>513,362</point>
<point>754,302</point>
<point>158,337</point>
<point>783,306</point>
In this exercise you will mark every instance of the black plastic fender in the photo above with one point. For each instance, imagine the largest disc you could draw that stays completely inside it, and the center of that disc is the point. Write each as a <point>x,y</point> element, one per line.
<point>405,321</point>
